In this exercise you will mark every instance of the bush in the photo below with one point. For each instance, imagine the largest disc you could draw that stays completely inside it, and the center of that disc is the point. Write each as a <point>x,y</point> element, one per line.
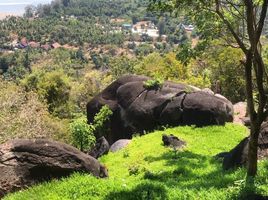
<point>101,121</point>
<point>153,84</point>
<point>143,49</point>
<point>82,133</point>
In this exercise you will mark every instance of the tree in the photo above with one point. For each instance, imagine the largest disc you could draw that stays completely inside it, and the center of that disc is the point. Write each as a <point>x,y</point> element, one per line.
<point>80,55</point>
<point>3,64</point>
<point>244,21</point>
<point>82,133</point>
<point>225,71</point>
<point>122,65</point>
<point>54,87</point>
<point>66,2</point>
<point>161,26</point>
<point>167,67</point>
<point>26,61</point>
<point>29,11</point>
<point>23,115</point>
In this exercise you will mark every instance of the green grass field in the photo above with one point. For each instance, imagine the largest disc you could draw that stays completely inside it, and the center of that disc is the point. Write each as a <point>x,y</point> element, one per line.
<point>148,170</point>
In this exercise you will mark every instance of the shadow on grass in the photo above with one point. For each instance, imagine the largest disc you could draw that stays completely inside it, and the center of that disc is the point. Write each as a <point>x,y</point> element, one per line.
<point>250,194</point>
<point>192,171</point>
<point>250,191</point>
<point>188,171</point>
<point>144,191</point>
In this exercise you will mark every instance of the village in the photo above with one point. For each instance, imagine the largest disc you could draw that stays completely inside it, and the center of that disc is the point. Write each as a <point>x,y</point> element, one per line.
<point>142,29</point>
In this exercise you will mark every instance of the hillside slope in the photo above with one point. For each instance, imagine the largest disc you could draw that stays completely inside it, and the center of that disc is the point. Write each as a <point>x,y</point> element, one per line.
<point>148,170</point>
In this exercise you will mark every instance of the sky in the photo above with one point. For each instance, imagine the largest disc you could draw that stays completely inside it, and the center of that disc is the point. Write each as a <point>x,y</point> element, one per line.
<point>17,6</point>
<point>16,2</point>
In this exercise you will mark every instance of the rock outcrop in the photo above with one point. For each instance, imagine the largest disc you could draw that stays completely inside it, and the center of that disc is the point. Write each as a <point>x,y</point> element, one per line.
<point>136,108</point>
<point>238,156</point>
<point>27,162</point>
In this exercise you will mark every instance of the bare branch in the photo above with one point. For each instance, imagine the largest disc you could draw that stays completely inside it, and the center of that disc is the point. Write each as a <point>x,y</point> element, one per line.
<point>250,23</point>
<point>231,29</point>
<point>262,19</point>
<point>235,6</point>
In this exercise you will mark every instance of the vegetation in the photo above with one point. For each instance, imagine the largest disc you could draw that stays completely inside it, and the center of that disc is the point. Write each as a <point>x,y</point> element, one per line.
<point>153,84</point>
<point>54,87</point>
<point>192,173</point>
<point>23,115</point>
<point>58,56</point>
<point>226,68</point>
<point>101,121</point>
<point>82,22</point>
<point>167,67</point>
<point>249,16</point>
<point>82,134</point>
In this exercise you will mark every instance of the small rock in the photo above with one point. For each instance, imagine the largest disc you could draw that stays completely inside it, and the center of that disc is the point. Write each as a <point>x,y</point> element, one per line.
<point>101,148</point>
<point>119,144</point>
<point>173,141</point>
<point>246,121</point>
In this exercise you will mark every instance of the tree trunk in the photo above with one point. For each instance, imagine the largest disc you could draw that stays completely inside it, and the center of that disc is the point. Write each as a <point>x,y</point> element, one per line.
<point>256,118</point>
<point>254,131</point>
<point>253,151</point>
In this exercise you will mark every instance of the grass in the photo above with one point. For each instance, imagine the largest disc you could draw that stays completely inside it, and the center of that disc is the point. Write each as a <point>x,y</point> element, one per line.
<point>148,170</point>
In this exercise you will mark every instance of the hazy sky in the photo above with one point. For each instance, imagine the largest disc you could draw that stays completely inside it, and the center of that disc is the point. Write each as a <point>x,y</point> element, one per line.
<point>13,2</point>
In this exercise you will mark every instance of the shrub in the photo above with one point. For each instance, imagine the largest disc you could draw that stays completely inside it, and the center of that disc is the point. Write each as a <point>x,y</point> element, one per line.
<point>133,170</point>
<point>82,133</point>
<point>101,121</point>
<point>153,84</point>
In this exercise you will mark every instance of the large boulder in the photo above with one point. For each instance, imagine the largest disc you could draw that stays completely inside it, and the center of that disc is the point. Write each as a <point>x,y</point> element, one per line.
<point>137,108</point>
<point>238,156</point>
<point>27,162</point>
<point>201,109</point>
